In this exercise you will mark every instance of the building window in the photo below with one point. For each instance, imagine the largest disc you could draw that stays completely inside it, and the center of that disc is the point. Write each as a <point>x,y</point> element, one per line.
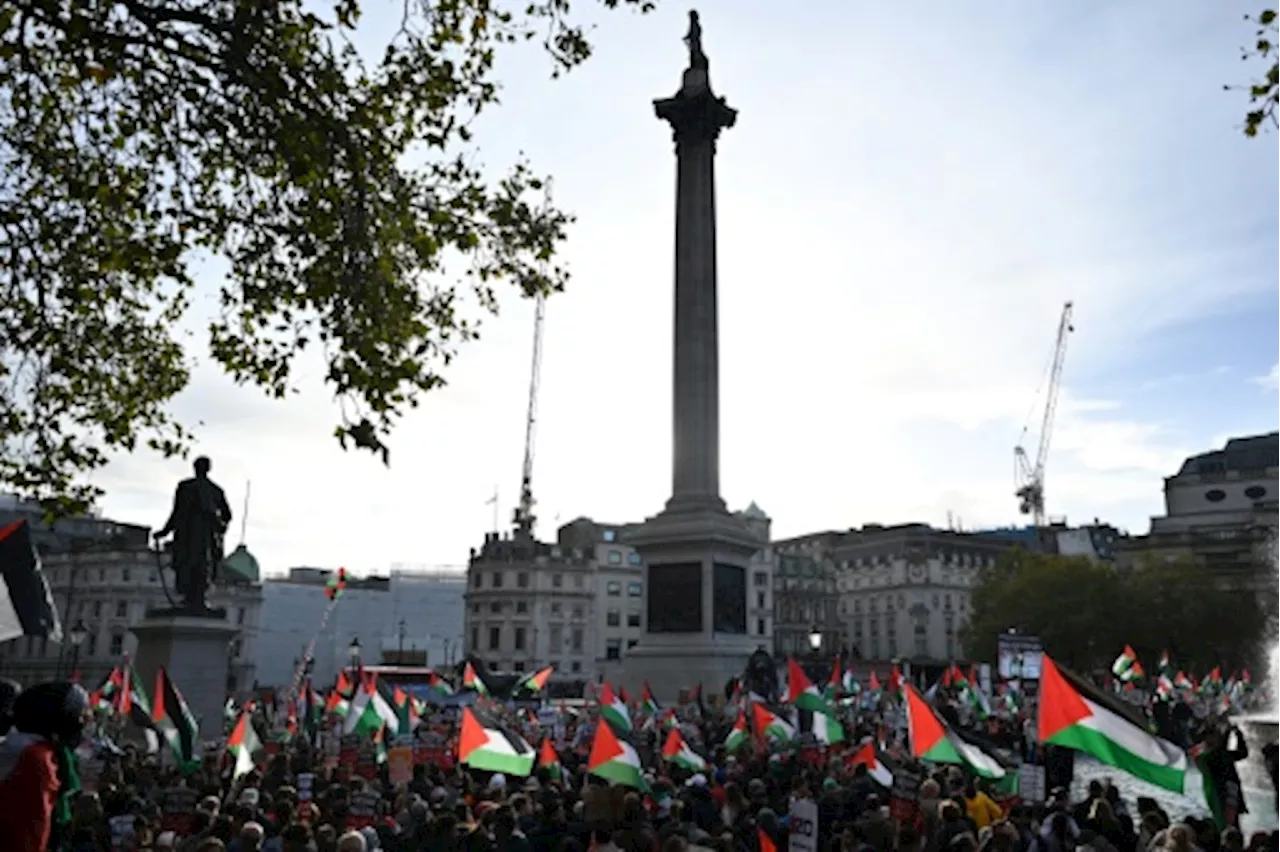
<point>235,649</point>
<point>497,579</point>
<point>117,644</point>
<point>575,666</point>
<point>555,664</point>
<point>475,639</point>
<point>609,536</point>
<point>760,578</point>
<point>578,581</point>
<point>633,618</point>
<point>576,643</point>
<point>495,638</point>
<point>477,579</point>
<point>613,649</point>
<point>635,590</point>
<point>240,615</point>
<point>557,580</point>
<point>475,609</point>
<point>91,645</point>
<point>122,609</point>
<point>759,626</point>
<point>613,588</point>
<point>522,606</point>
<point>522,579</point>
<point>759,600</point>
<point>631,643</point>
<point>947,602</point>
<point>555,608</point>
<point>615,557</point>
<point>519,643</point>
<point>613,618</point>
<point>556,638</point>
<point>633,558</point>
<point>124,575</point>
<point>517,666</point>
<point>495,608</point>
<point>577,613</point>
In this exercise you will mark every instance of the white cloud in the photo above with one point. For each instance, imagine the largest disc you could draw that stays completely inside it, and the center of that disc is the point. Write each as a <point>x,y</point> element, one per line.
<point>904,205</point>
<point>1271,380</point>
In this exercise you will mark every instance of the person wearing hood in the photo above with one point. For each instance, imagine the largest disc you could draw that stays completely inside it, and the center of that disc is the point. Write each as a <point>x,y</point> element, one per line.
<point>37,766</point>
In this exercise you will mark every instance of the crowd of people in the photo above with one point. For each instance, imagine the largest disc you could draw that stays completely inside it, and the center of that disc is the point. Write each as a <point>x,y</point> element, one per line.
<point>299,801</point>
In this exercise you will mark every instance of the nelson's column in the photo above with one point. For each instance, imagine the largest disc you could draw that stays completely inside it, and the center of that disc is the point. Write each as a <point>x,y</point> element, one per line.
<point>695,552</point>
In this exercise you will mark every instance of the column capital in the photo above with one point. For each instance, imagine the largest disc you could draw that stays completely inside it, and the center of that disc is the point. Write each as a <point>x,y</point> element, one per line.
<point>695,114</point>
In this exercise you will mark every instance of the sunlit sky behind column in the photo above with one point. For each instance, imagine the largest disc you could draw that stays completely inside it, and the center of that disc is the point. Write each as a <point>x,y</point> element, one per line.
<point>909,196</point>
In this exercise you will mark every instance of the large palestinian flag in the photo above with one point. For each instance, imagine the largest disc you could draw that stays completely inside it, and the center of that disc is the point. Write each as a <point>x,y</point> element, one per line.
<point>1075,715</point>
<point>677,751</point>
<point>614,759</point>
<point>485,744</point>
<point>370,710</point>
<point>175,722</point>
<point>244,746</point>
<point>932,739</point>
<point>26,607</point>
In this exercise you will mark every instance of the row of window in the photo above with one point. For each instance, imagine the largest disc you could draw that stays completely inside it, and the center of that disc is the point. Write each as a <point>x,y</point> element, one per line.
<point>95,609</point>
<point>520,639</point>
<point>901,602</point>
<point>496,580</point>
<point>81,575</point>
<point>613,618</point>
<point>613,589</point>
<point>89,650</point>
<point>522,608</point>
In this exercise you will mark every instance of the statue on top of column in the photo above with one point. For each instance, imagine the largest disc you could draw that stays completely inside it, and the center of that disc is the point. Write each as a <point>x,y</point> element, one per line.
<point>697,59</point>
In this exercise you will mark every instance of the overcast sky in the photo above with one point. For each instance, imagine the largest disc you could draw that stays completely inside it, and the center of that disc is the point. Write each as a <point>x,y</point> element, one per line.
<point>909,196</point>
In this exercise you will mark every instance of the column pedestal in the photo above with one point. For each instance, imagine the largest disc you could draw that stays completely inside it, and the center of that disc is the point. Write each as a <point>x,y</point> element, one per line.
<point>697,568</point>
<point>193,650</point>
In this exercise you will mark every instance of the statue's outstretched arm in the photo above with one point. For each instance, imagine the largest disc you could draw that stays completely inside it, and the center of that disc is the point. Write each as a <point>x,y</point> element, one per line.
<point>173,516</point>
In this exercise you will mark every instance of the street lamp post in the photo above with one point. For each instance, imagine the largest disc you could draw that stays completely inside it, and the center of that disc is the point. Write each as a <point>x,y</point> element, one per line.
<point>77,634</point>
<point>353,651</point>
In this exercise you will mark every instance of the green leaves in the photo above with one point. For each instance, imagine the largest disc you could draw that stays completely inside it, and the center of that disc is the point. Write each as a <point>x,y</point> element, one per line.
<point>1264,93</point>
<point>133,135</point>
<point>1085,611</point>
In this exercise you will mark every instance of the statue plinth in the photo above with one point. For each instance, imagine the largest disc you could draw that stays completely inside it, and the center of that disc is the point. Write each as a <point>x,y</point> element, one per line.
<point>193,647</point>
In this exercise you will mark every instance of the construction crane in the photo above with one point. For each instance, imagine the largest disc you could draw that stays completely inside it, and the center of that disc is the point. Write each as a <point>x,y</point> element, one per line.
<point>523,515</point>
<point>1029,477</point>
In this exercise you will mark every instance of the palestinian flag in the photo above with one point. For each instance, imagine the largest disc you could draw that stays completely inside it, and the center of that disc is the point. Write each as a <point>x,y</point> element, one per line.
<point>471,680</point>
<point>537,681</point>
<point>614,759</point>
<point>738,735</point>
<point>832,691</point>
<point>380,746</point>
<point>346,687</point>
<point>485,744</point>
<point>370,711</point>
<point>407,716</point>
<point>676,750</point>
<point>439,685</point>
<point>614,710</point>
<point>336,585</point>
<point>175,722</point>
<point>802,693</point>
<point>130,698</point>
<point>825,729</point>
<point>337,705</point>
<point>866,756</point>
<point>244,746</point>
<point>26,607</point>
<point>1075,715</point>
<point>1123,666</point>
<point>770,727</point>
<point>648,703</point>
<point>764,842</point>
<point>1164,665</point>
<point>932,739</point>
<point>549,760</point>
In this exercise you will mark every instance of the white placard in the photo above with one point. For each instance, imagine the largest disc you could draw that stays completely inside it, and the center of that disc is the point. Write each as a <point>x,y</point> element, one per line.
<point>804,826</point>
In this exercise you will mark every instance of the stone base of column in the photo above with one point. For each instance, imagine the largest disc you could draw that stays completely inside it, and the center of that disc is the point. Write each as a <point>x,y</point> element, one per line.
<point>670,664</point>
<point>193,651</point>
<point>697,542</point>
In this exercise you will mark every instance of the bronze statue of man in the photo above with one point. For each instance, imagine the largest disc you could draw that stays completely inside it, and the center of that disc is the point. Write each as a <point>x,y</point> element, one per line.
<point>697,59</point>
<point>198,522</point>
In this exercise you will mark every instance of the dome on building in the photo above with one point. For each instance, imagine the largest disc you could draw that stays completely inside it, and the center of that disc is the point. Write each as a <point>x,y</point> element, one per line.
<point>241,566</point>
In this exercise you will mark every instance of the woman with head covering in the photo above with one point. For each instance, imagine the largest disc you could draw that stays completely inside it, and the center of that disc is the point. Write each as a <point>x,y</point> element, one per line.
<point>37,768</point>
